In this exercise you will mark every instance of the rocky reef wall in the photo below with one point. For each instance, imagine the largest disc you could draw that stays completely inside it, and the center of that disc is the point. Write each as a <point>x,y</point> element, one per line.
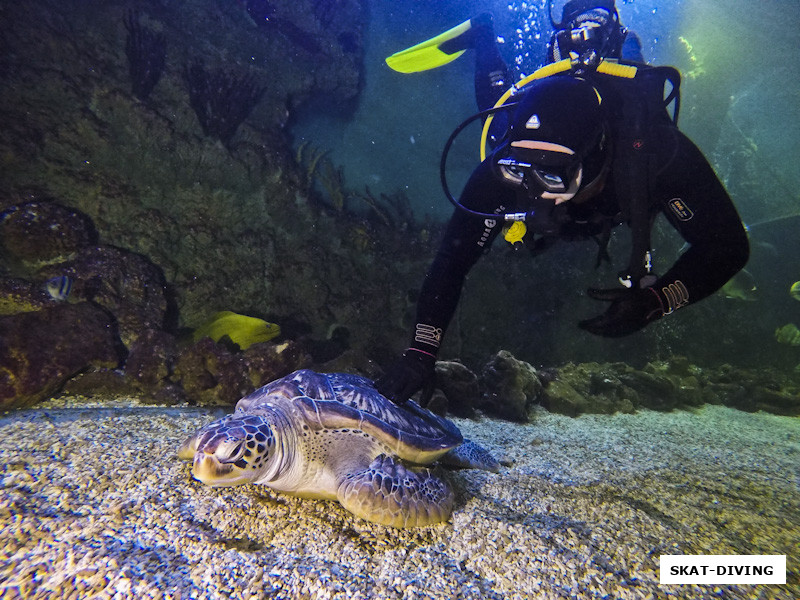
<point>233,225</point>
<point>163,126</point>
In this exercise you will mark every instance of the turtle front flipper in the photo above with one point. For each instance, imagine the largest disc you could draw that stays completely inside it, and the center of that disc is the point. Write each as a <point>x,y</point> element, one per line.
<point>189,447</point>
<point>388,493</point>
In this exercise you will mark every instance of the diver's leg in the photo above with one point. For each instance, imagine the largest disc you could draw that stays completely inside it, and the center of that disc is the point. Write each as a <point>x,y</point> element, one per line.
<point>492,76</point>
<point>491,72</point>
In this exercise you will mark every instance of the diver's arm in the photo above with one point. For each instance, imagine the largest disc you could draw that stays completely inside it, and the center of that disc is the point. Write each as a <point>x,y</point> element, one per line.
<point>466,238</point>
<point>696,204</point>
<point>701,210</point>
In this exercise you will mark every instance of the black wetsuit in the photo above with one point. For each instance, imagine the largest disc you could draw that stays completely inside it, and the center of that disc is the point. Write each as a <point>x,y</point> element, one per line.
<point>687,192</point>
<point>680,184</point>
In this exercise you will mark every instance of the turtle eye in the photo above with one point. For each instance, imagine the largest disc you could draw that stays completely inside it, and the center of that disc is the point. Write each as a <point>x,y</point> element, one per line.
<point>230,451</point>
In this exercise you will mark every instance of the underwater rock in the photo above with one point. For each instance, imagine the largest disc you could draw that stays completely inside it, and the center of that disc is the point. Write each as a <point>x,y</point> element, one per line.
<point>151,360</point>
<point>590,388</point>
<point>438,403</point>
<point>779,402</point>
<point>52,249</point>
<point>41,232</point>
<point>268,361</point>
<point>98,382</point>
<point>146,51</point>
<point>667,385</point>
<point>212,375</point>
<point>560,397</point>
<point>42,349</point>
<point>752,390</point>
<point>131,287</point>
<point>45,240</point>
<point>221,100</point>
<point>664,385</point>
<point>335,344</point>
<point>205,373</point>
<point>350,361</point>
<point>20,295</point>
<point>510,387</point>
<point>652,390</point>
<point>460,387</point>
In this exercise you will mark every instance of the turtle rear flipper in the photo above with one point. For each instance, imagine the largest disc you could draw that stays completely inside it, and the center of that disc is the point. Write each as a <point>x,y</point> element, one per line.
<point>388,493</point>
<point>471,455</point>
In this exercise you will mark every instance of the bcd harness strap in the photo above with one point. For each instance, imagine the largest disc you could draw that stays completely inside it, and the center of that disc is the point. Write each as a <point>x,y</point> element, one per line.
<point>642,124</point>
<point>641,121</point>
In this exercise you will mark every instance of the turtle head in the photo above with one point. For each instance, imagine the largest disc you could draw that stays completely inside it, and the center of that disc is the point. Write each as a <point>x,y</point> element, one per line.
<point>232,451</point>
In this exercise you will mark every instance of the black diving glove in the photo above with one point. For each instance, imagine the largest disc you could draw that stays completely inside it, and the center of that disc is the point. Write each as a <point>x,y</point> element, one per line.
<point>414,371</point>
<point>630,311</point>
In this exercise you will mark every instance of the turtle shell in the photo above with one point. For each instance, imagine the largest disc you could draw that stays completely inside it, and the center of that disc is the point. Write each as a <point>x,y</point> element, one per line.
<point>343,401</point>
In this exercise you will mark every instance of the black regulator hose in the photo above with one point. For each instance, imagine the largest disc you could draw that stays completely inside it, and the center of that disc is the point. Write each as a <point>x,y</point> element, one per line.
<point>443,168</point>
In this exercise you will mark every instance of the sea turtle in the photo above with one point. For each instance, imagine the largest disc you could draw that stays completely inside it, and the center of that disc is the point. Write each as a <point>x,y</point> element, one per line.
<point>333,436</point>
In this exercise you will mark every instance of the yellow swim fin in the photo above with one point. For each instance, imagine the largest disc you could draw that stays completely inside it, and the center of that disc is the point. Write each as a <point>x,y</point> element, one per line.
<point>428,54</point>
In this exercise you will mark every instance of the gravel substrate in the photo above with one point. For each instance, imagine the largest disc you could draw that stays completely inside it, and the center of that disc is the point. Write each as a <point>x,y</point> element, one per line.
<point>94,503</point>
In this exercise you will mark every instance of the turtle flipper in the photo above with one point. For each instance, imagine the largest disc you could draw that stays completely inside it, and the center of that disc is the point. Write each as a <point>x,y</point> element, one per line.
<point>470,455</point>
<point>388,493</point>
<point>189,447</point>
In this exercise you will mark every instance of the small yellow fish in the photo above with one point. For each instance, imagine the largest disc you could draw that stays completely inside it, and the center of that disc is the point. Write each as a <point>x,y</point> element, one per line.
<point>741,286</point>
<point>243,331</point>
<point>789,334</point>
<point>794,291</point>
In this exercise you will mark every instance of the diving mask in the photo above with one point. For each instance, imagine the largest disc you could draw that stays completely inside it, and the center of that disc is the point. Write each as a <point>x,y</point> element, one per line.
<point>588,31</point>
<point>557,176</point>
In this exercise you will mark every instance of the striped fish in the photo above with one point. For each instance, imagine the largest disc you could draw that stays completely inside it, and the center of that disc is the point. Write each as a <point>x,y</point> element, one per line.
<point>59,287</point>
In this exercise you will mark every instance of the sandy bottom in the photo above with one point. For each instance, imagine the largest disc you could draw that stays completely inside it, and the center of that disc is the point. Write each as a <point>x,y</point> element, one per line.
<point>94,503</point>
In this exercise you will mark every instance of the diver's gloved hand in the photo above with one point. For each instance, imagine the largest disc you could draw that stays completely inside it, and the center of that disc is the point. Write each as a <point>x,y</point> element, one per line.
<point>414,371</point>
<point>630,311</point>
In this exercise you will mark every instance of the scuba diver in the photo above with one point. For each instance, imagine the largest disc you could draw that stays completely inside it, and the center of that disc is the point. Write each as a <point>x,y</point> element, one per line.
<point>583,145</point>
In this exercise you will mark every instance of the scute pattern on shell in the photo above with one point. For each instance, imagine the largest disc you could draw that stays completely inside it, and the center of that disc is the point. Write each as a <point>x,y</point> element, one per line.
<point>410,423</point>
